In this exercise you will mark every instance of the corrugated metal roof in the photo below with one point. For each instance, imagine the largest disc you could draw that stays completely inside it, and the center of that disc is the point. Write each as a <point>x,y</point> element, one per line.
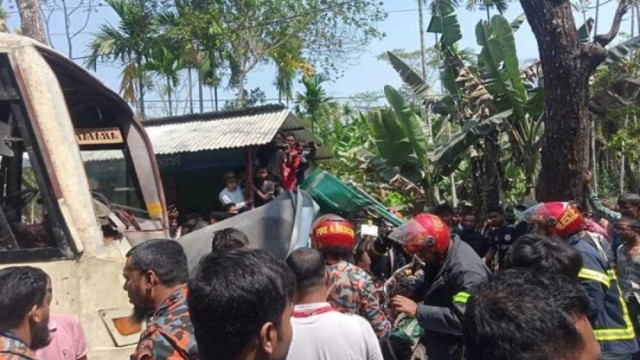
<point>206,132</point>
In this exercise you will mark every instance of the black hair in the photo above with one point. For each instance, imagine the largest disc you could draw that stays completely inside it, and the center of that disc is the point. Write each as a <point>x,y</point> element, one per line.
<point>165,258</point>
<point>22,288</point>
<point>443,209</point>
<point>228,206</point>
<point>219,215</point>
<point>495,209</point>
<point>308,267</point>
<point>524,315</point>
<point>633,199</point>
<point>232,295</point>
<point>544,254</point>
<point>290,134</point>
<point>228,239</point>
<point>633,223</point>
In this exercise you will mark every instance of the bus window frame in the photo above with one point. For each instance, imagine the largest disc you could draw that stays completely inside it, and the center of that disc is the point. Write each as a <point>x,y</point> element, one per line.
<point>57,228</point>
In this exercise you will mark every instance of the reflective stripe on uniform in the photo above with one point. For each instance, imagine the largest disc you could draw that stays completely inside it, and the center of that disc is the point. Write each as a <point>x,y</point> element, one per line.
<point>595,276</point>
<point>617,334</point>
<point>461,297</point>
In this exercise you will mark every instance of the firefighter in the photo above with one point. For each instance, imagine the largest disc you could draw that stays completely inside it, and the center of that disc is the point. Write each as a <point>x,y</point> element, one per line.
<point>349,288</point>
<point>452,270</point>
<point>610,319</point>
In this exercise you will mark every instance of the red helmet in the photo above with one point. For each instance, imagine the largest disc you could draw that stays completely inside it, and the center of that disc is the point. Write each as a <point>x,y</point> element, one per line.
<point>560,218</point>
<point>422,232</point>
<point>333,232</point>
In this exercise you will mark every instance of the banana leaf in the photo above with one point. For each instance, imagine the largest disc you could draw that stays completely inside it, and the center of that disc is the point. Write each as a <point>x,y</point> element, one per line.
<point>418,85</point>
<point>617,95</point>
<point>515,24</point>
<point>445,22</point>
<point>620,52</point>
<point>410,122</point>
<point>447,156</point>
<point>391,141</point>
<point>504,33</point>
<point>494,52</point>
<point>376,164</point>
<point>584,32</point>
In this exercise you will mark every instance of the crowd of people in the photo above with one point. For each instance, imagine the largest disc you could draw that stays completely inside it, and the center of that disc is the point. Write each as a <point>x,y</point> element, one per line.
<point>279,166</point>
<point>545,282</point>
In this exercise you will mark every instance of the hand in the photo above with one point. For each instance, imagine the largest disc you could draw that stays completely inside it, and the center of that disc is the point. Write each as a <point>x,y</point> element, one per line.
<point>405,305</point>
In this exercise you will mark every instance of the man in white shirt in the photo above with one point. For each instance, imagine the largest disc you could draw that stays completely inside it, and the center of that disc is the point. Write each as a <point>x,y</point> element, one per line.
<point>319,331</point>
<point>232,193</point>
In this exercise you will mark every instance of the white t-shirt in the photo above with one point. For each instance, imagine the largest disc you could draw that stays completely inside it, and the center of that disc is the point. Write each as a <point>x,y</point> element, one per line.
<point>228,197</point>
<point>331,335</point>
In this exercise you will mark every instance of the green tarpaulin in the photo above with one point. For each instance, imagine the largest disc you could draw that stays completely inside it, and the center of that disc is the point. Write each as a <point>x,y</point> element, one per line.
<point>332,195</point>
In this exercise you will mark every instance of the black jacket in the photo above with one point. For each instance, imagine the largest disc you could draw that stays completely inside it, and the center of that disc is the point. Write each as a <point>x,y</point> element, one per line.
<point>448,288</point>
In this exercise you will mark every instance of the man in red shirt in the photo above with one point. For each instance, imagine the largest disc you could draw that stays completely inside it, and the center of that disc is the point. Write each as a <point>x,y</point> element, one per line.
<point>291,164</point>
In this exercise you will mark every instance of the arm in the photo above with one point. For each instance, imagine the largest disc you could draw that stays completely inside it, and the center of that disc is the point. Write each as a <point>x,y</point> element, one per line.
<point>259,193</point>
<point>488,257</point>
<point>371,342</point>
<point>224,198</point>
<point>448,320</point>
<point>370,309</point>
<point>600,209</point>
<point>593,277</point>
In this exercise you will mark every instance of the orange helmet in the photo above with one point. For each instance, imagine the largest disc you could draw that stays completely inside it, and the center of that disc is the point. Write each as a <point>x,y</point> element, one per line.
<point>560,218</point>
<point>333,232</point>
<point>422,232</point>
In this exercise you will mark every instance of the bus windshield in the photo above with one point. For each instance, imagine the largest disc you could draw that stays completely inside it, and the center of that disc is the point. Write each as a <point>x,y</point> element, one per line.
<point>111,175</point>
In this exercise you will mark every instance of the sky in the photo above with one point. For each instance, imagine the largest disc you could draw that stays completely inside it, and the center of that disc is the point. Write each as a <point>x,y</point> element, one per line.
<point>364,73</point>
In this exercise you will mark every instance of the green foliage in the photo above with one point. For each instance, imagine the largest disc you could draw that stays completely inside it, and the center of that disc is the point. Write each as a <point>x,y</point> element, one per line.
<point>418,85</point>
<point>445,23</point>
<point>622,51</point>
<point>447,156</point>
<point>627,140</point>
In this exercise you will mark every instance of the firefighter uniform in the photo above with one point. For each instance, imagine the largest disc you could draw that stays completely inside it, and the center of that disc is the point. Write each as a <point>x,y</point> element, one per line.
<point>169,333</point>
<point>610,319</point>
<point>442,310</point>
<point>12,348</point>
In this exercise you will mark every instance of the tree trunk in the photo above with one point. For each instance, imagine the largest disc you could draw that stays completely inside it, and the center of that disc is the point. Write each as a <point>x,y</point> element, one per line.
<point>31,20</point>
<point>567,66</point>
<point>190,94</point>
<point>140,87</point>
<point>169,96</point>
<point>215,95</point>
<point>488,14</point>
<point>423,49</point>
<point>200,92</point>
<point>492,170</point>
<point>240,97</point>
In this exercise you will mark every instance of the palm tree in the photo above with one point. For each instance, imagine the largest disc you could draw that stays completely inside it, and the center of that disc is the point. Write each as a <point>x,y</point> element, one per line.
<point>289,61</point>
<point>500,5</point>
<point>130,43</point>
<point>165,61</point>
<point>314,97</point>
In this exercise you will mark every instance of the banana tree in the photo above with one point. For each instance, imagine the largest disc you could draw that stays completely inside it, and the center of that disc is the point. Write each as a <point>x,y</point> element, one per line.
<point>499,69</point>
<point>406,159</point>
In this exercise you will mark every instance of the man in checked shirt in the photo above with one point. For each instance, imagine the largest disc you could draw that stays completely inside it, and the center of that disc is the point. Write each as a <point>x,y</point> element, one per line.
<point>156,274</point>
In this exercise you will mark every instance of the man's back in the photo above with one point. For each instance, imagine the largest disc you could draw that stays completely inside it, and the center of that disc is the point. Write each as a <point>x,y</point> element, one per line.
<point>322,333</point>
<point>351,290</point>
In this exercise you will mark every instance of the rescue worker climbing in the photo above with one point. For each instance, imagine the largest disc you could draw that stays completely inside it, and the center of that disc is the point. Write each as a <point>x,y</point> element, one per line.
<point>610,318</point>
<point>452,269</point>
<point>349,288</point>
